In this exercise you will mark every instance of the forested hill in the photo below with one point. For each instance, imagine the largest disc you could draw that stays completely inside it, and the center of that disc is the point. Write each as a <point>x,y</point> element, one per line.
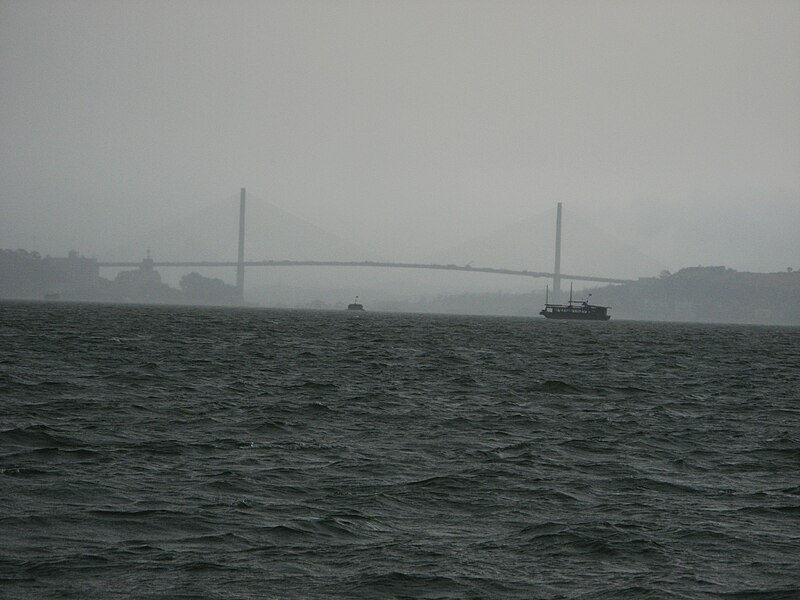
<point>694,294</point>
<point>708,294</point>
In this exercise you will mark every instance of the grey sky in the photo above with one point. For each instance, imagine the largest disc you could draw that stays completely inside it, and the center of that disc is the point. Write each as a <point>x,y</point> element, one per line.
<point>407,127</point>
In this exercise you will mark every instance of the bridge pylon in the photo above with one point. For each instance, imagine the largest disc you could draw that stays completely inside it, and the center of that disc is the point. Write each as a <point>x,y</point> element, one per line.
<point>240,261</point>
<point>557,266</point>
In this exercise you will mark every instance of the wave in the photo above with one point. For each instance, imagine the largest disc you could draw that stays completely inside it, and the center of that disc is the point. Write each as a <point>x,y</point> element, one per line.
<point>38,436</point>
<point>243,453</point>
<point>556,387</point>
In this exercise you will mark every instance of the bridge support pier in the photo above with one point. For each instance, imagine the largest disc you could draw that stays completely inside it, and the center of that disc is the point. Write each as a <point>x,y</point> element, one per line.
<point>240,261</point>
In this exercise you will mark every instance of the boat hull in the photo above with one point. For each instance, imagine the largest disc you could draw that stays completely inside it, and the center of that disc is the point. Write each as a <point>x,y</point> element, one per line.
<point>574,316</point>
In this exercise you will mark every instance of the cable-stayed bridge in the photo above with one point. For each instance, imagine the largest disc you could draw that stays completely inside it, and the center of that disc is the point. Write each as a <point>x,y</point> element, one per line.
<point>241,263</point>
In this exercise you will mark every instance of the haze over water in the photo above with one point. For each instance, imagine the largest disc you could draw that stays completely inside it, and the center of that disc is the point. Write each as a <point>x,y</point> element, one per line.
<point>157,452</point>
<point>408,129</point>
<point>174,452</point>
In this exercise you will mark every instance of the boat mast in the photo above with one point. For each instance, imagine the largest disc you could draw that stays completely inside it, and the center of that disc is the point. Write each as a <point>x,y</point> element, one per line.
<point>546,295</point>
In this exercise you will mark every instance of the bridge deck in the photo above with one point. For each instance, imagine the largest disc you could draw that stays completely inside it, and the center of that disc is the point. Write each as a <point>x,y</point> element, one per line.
<point>395,265</point>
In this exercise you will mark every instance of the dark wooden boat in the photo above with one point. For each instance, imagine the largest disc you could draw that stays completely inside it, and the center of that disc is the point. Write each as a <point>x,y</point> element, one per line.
<point>577,310</point>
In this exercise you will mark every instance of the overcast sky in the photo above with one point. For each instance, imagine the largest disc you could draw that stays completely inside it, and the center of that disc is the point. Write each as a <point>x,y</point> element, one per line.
<point>407,127</point>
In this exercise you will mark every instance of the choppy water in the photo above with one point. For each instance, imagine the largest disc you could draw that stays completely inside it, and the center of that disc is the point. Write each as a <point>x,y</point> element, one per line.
<point>152,452</point>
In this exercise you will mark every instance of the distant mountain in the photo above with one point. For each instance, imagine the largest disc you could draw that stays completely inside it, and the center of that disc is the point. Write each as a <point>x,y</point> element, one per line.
<point>212,233</point>
<point>708,294</point>
<point>530,244</point>
<point>693,294</point>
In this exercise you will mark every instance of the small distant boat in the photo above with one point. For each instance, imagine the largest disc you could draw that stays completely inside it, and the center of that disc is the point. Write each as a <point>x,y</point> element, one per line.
<point>355,305</point>
<point>579,310</point>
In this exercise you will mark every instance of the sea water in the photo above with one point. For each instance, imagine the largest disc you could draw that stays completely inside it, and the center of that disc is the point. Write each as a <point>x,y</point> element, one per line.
<point>177,452</point>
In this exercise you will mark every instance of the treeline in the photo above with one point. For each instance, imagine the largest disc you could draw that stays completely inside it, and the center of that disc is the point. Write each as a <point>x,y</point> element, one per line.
<point>693,294</point>
<point>708,294</point>
<point>27,275</point>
